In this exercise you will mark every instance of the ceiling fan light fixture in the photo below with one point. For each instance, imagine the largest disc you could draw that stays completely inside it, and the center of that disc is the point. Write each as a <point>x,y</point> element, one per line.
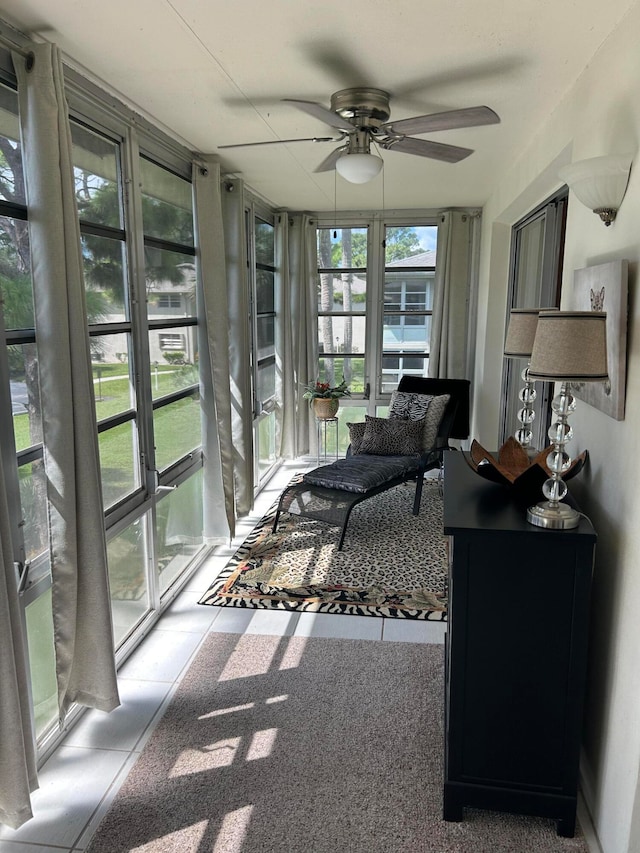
<point>359,168</point>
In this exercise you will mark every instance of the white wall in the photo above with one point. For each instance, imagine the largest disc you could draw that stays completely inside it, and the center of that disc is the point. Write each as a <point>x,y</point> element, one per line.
<point>600,115</point>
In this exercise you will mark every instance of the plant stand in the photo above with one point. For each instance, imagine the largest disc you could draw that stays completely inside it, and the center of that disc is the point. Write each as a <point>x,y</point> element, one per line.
<point>322,424</point>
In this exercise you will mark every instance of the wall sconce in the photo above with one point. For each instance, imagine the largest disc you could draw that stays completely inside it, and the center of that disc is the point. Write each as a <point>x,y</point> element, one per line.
<point>570,346</point>
<point>599,183</point>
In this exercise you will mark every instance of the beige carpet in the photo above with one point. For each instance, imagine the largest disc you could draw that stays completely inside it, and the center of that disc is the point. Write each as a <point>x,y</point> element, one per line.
<point>294,745</point>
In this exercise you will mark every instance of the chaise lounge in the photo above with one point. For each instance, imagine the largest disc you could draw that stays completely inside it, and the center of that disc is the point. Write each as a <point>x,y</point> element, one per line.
<point>384,452</point>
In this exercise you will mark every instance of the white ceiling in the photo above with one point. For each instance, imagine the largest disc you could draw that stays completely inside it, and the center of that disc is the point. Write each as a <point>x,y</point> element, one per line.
<point>214,72</point>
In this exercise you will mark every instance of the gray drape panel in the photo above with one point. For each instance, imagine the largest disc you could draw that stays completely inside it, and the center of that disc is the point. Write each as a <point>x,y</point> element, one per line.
<point>219,502</point>
<point>235,238</point>
<point>85,664</point>
<point>303,274</point>
<point>450,320</point>
<point>17,750</point>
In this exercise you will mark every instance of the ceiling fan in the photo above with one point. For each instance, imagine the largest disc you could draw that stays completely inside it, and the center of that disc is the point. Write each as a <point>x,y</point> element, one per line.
<point>362,117</point>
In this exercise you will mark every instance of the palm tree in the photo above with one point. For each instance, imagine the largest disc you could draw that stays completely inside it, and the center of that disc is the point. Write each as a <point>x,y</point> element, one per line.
<point>326,302</point>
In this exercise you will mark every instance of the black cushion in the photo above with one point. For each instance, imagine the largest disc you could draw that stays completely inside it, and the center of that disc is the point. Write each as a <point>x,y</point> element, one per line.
<point>361,473</point>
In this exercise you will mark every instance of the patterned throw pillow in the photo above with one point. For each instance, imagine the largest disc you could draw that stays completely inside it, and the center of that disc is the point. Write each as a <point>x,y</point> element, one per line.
<point>385,437</point>
<point>356,434</point>
<point>417,407</point>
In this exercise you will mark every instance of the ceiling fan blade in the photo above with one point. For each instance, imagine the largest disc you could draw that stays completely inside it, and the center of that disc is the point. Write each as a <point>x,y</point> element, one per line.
<point>318,111</point>
<point>450,120</point>
<point>426,148</point>
<point>329,162</point>
<point>283,141</point>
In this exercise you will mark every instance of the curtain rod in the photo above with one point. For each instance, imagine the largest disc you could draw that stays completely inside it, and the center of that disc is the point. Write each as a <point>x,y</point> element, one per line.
<point>29,56</point>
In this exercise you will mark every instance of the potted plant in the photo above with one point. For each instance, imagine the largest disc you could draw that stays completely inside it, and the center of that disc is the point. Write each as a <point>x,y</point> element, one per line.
<point>324,398</point>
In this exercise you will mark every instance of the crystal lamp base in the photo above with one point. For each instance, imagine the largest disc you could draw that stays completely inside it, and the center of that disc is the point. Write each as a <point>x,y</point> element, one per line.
<point>553,515</point>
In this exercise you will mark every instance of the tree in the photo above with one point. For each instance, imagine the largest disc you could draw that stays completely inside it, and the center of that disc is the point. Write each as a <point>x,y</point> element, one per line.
<point>326,302</point>
<point>401,242</point>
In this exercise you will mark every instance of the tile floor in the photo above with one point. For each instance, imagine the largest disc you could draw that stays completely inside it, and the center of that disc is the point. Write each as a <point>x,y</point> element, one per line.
<point>81,778</point>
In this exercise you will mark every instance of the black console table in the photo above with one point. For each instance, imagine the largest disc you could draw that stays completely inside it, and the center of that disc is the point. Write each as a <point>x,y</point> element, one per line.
<point>516,653</point>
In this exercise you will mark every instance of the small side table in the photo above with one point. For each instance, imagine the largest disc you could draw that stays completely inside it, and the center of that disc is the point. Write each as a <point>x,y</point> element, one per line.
<point>322,426</point>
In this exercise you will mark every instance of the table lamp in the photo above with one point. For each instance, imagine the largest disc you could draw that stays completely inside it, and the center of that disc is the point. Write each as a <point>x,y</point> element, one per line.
<point>519,344</point>
<point>569,346</point>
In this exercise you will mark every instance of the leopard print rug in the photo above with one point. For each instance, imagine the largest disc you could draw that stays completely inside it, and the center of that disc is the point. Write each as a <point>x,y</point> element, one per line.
<point>393,564</point>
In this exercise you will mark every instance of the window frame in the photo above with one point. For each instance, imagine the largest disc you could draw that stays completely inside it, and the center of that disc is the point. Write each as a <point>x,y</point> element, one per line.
<point>373,398</point>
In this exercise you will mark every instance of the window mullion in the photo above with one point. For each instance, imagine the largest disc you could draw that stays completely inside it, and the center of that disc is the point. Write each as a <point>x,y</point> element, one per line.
<point>375,312</point>
<point>139,322</point>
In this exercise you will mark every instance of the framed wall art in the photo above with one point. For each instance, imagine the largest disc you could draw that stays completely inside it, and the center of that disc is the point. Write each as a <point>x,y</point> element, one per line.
<point>604,287</point>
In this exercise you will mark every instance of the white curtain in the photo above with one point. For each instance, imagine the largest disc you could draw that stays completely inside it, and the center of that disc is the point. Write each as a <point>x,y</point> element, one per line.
<point>235,239</point>
<point>85,664</point>
<point>17,748</point>
<point>303,307</point>
<point>219,501</point>
<point>450,320</point>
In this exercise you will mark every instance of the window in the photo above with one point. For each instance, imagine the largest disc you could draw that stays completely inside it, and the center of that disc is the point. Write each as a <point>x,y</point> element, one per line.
<point>375,299</point>
<point>171,342</point>
<point>408,302</point>
<point>262,279</point>
<point>133,192</point>
<point>342,305</point>
<point>98,183</point>
<point>144,362</point>
<point>264,348</point>
<point>169,300</point>
<point>167,219</point>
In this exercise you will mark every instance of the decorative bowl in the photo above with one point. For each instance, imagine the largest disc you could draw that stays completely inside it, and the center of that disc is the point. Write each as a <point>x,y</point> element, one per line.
<point>514,467</point>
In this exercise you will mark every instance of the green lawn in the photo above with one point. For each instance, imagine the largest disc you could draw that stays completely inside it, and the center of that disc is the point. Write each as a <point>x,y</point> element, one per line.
<point>176,426</point>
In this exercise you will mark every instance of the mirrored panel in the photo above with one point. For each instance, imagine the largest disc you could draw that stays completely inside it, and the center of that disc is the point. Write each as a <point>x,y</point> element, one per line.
<point>119,462</point>
<point>265,302</point>
<point>341,334</point>
<point>128,588</point>
<point>171,284</point>
<point>410,245</point>
<point>96,175</point>
<point>33,500</point>
<point>332,370</point>
<point>15,276</point>
<point>42,661</point>
<point>342,292</point>
<point>25,395</point>
<point>395,366</point>
<point>177,430</point>
<point>113,386</point>
<point>342,248</point>
<point>405,332</point>
<point>12,184</point>
<point>104,268</point>
<point>167,204</point>
<point>265,245</point>
<point>174,359</point>
<point>179,527</point>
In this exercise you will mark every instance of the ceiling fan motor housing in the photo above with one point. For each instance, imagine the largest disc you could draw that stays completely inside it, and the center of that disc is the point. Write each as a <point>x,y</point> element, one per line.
<point>366,107</point>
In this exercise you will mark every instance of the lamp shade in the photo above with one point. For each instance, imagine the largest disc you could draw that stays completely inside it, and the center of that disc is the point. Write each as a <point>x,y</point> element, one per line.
<point>359,168</point>
<point>600,182</point>
<point>521,332</point>
<point>570,346</point>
